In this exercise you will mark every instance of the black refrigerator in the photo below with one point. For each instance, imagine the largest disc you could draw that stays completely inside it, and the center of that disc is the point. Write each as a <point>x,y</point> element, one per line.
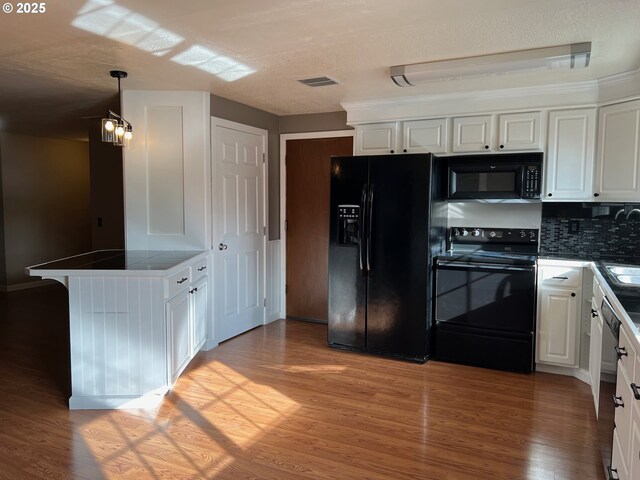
<point>388,222</point>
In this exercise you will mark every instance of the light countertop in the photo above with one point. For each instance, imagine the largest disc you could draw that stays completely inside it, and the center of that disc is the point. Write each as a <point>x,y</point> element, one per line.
<point>117,262</point>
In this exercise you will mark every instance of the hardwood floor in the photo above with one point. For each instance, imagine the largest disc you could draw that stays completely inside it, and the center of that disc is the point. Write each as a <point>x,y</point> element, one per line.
<point>276,403</point>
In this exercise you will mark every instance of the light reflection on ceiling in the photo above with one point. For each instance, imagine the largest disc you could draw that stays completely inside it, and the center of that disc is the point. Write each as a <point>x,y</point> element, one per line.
<point>205,59</point>
<point>108,19</point>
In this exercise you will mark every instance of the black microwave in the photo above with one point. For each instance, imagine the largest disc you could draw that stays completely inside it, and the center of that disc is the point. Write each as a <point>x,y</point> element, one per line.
<point>497,176</point>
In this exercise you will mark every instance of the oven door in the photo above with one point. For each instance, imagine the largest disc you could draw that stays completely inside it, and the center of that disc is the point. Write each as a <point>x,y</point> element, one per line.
<point>485,296</point>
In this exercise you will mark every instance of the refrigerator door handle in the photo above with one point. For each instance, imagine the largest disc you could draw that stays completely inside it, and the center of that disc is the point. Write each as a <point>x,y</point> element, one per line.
<point>370,228</point>
<point>361,227</point>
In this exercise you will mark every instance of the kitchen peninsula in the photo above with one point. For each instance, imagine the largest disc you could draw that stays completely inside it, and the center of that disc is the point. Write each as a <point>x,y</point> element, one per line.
<point>136,320</point>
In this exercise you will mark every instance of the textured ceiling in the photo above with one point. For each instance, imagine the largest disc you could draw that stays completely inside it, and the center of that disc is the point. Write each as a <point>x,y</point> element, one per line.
<point>54,65</point>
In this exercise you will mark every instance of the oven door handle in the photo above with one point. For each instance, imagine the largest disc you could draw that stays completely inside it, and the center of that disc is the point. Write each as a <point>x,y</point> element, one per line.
<point>483,266</point>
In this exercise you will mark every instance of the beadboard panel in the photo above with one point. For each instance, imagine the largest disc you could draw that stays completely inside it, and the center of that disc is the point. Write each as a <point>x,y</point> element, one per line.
<point>118,337</point>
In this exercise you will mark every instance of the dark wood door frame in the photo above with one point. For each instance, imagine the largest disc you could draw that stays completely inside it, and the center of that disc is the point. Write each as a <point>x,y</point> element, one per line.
<point>283,197</point>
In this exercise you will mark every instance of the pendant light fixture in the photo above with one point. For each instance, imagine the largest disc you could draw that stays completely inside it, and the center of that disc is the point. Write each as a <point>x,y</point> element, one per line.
<point>115,129</point>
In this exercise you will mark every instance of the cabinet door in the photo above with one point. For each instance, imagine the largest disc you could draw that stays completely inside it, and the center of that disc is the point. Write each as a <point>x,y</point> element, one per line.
<point>377,138</point>
<point>424,136</point>
<point>634,450</point>
<point>618,167</point>
<point>570,155</point>
<point>199,296</point>
<point>178,334</point>
<point>618,463</point>
<point>624,400</point>
<point>595,350</point>
<point>520,131</point>
<point>558,326</point>
<point>471,134</point>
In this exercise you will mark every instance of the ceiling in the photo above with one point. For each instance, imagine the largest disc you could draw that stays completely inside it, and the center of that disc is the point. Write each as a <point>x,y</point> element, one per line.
<point>54,66</point>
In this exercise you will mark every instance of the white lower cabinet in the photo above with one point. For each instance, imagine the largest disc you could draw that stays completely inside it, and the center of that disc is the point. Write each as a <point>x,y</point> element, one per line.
<point>618,464</point>
<point>634,450</point>
<point>199,300</point>
<point>595,352</point>
<point>559,300</point>
<point>186,317</point>
<point>178,333</point>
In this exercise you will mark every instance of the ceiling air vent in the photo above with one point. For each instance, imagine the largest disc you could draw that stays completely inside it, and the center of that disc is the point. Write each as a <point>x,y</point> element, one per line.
<point>319,81</point>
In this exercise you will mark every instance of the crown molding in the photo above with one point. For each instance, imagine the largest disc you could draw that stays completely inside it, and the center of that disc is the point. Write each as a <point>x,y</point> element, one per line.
<point>605,90</point>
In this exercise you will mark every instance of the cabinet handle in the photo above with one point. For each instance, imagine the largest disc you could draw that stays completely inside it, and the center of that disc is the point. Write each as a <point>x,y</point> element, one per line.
<point>501,146</point>
<point>549,194</point>
<point>200,269</point>
<point>182,280</point>
<point>616,400</point>
<point>594,313</point>
<point>621,352</point>
<point>573,294</point>
<point>222,246</point>
<point>596,194</point>
<point>636,392</point>
<point>393,151</point>
<point>561,278</point>
<point>610,472</point>
<point>404,150</point>
<point>486,147</point>
<point>193,290</point>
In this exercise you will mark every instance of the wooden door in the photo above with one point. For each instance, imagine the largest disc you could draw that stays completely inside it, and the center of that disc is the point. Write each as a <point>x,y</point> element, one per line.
<point>307,214</point>
<point>238,237</point>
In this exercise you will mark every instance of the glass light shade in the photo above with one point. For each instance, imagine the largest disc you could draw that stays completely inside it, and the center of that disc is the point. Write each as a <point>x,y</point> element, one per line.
<point>108,127</point>
<point>128,135</point>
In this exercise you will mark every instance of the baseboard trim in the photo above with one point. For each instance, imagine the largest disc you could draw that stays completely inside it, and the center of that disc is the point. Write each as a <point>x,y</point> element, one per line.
<point>209,345</point>
<point>107,402</point>
<point>26,285</point>
<point>579,373</point>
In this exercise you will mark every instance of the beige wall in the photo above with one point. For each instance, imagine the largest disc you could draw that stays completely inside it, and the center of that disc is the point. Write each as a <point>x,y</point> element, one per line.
<point>314,122</point>
<point>45,186</point>
<point>107,192</point>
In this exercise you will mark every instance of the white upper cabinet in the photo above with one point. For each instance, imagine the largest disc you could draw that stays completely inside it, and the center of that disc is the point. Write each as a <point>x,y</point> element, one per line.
<point>419,136</point>
<point>377,138</point>
<point>519,131</point>
<point>471,134</point>
<point>570,155</point>
<point>618,168</point>
<point>424,136</point>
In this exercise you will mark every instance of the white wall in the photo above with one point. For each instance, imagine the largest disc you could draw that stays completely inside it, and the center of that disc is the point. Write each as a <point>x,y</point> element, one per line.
<point>46,201</point>
<point>497,215</point>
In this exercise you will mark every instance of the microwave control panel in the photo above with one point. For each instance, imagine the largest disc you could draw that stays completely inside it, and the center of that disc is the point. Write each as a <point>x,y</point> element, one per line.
<point>531,181</point>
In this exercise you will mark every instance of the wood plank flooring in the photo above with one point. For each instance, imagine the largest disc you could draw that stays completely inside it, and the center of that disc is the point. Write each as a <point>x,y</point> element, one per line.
<point>276,403</point>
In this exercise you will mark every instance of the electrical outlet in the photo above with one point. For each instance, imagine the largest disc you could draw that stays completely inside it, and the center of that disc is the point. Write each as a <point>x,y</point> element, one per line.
<point>574,226</point>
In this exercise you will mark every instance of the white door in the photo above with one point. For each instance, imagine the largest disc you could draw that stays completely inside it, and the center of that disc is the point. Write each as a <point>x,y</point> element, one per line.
<point>238,228</point>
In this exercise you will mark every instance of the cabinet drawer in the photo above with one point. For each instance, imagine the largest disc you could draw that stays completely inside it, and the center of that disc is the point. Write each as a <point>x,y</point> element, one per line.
<point>177,282</point>
<point>627,362</point>
<point>561,276</point>
<point>199,269</point>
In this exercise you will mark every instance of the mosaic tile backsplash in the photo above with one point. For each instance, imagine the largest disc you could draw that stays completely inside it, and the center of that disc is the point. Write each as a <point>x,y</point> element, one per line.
<point>596,237</point>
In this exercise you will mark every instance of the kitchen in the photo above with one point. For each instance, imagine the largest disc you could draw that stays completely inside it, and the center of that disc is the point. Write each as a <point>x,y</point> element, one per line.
<point>591,98</point>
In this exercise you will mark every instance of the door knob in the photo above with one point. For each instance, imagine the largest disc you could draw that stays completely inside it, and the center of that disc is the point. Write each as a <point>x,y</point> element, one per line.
<point>222,246</point>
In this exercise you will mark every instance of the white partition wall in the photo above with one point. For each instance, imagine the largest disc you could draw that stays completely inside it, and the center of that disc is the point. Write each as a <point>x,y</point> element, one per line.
<point>166,170</point>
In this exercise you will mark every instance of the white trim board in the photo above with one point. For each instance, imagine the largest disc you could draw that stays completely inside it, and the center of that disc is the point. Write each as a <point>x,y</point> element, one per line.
<point>283,196</point>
